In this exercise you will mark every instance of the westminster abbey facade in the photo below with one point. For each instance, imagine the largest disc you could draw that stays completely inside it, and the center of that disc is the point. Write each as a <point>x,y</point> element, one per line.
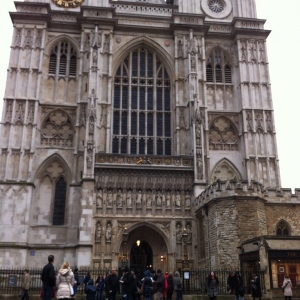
<point>142,133</point>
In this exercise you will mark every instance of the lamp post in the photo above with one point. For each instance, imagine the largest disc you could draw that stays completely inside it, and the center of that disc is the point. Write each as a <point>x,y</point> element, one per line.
<point>124,257</point>
<point>185,261</point>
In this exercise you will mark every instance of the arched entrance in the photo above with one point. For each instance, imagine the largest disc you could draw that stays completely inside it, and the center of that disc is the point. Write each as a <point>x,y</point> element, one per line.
<point>141,257</point>
<point>152,251</point>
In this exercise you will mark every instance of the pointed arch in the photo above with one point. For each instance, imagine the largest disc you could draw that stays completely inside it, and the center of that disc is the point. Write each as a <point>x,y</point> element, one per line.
<point>61,38</point>
<point>283,228</point>
<point>225,170</point>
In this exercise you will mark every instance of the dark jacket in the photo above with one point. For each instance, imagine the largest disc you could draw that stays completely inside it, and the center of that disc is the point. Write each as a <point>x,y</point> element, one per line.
<point>48,275</point>
<point>212,286</point>
<point>128,283</point>
<point>170,284</point>
<point>112,283</point>
<point>230,284</point>
<point>160,283</point>
<point>90,290</point>
<point>256,288</point>
<point>100,285</point>
<point>147,281</point>
<point>76,277</point>
<point>238,285</point>
<point>177,282</point>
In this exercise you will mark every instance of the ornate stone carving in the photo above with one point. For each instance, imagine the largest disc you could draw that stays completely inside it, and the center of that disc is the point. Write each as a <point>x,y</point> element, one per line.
<point>187,199</point>
<point>39,39</point>
<point>269,122</point>
<point>18,38</point>
<point>149,199</point>
<point>99,199</point>
<point>8,112</point>
<point>98,232</point>
<point>109,198</point>
<point>252,49</point>
<point>28,39</point>
<point>159,199</point>
<point>30,114</point>
<point>129,198</point>
<point>19,116</point>
<point>259,122</point>
<point>119,198</point>
<point>178,232</point>
<point>177,199</point>
<point>108,232</point>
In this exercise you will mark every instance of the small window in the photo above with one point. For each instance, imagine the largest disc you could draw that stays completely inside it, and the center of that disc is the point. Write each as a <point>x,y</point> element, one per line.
<point>283,228</point>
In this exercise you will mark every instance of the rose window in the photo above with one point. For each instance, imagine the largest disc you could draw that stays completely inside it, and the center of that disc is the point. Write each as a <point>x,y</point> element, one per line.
<point>223,135</point>
<point>57,130</point>
<point>216,6</point>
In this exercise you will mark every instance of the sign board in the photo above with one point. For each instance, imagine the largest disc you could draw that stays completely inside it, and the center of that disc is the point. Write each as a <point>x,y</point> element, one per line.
<point>12,280</point>
<point>186,275</point>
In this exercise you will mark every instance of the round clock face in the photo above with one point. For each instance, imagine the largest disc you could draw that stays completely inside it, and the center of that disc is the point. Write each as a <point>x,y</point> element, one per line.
<point>68,3</point>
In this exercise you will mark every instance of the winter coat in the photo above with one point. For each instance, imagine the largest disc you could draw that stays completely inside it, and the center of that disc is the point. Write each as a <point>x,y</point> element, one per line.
<point>112,283</point>
<point>48,275</point>
<point>238,285</point>
<point>90,290</point>
<point>288,287</point>
<point>256,288</point>
<point>64,279</point>
<point>212,287</point>
<point>170,284</point>
<point>100,285</point>
<point>160,283</point>
<point>26,281</point>
<point>128,283</point>
<point>177,282</point>
<point>147,281</point>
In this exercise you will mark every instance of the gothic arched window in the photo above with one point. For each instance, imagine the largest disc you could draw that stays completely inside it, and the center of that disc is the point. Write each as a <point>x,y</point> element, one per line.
<point>223,135</point>
<point>142,106</point>
<point>60,195</point>
<point>218,68</point>
<point>283,229</point>
<point>63,60</point>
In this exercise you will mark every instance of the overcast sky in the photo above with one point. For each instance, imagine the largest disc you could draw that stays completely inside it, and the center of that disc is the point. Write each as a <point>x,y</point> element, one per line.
<point>284,40</point>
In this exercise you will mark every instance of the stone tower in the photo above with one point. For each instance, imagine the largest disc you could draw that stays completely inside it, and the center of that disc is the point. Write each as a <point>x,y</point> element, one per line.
<point>117,115</point>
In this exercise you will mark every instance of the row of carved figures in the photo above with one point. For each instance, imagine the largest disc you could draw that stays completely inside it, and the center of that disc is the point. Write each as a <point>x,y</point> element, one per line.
<point>135,198</point>
<point>184,235</point>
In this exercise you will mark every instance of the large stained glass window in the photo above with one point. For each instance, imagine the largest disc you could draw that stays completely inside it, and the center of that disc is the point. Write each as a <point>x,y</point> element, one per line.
<point>142,106</point>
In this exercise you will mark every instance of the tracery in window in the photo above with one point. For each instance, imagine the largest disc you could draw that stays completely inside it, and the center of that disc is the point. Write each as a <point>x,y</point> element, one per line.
<point>218,69</point>
<point>282,228</point>
<point>57,130</point>
<point>223,135</point>
<point>63,60</point>
<point>142,106</point>
<point>59,202</point>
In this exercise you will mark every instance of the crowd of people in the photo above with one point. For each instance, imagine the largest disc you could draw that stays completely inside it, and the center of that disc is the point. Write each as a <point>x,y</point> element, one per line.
<point>64,285</point>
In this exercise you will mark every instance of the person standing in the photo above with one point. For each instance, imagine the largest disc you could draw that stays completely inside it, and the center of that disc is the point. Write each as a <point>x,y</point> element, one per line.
<point>212,286</point>
<point>90,290</point>
<point>255,287</point>
<point>64,282</point>
<point>26,284</point>
<point>99,287</point>
<point>48,278</point>
<point>239,290</point>
<point>128,283</point>
<point>287,287</point>
<point>76,278</point>
<point>160,284</point>
<point>170,287</point>
<point>147,282</point>
<point>111,284</point>
<point>177,285</point>
<point>230,283</point>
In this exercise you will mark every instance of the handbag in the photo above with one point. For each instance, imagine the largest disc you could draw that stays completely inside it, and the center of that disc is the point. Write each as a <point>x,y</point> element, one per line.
<point>21,294</point>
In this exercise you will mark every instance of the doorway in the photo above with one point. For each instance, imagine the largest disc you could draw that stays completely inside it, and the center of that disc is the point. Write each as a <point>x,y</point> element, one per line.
<point>141,258</point>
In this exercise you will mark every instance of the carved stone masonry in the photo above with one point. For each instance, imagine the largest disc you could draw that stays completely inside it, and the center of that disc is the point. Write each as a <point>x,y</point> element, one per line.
<point>19,117</point>
<point>30,115</point>
<point>28,40</point>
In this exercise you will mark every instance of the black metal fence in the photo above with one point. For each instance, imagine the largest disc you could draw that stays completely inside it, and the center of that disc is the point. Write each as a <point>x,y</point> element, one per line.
<point>193,281</point>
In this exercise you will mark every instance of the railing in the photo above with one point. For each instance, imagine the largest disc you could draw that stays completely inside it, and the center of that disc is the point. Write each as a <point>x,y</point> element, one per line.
<point>193,282</point>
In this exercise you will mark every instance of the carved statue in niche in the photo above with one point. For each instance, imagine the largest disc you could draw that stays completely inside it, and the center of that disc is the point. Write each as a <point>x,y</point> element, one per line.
<point>187,199</point>
<point>261,51</point>
<point>199,163</point>
<point>129,199</point>
<point>119,198</point>
<point>198,133</point>
<point>159,199</point>
<point>99,200</point>
<point>193,63</point>
<point>89,159</point>
<point>252,52</point>
<point>180,47</point>
<point>178,232</point>
<point>95,57</point>
<point>106,43</point>
<point>149,199</point>
<point>189,232</point>
<point>91,125</point>
<point>177,199</point>
<point>103,119</point>
<point>181,119</point>
<point>109,198</point>
<point>98,232</point>
<point>139,198</point>
<point>168,200</point>
<point>108,232</point>
<point>244,51</point>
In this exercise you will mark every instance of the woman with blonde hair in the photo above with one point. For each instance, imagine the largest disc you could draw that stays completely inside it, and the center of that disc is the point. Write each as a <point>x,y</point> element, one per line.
<point>64,282</point>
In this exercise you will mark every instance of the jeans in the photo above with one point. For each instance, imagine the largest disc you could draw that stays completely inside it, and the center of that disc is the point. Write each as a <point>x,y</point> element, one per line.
<point>47,292</point>
<point>178,294</point>
<point>99,295</point>
<point>237,297</point>
<point>148,298</point>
